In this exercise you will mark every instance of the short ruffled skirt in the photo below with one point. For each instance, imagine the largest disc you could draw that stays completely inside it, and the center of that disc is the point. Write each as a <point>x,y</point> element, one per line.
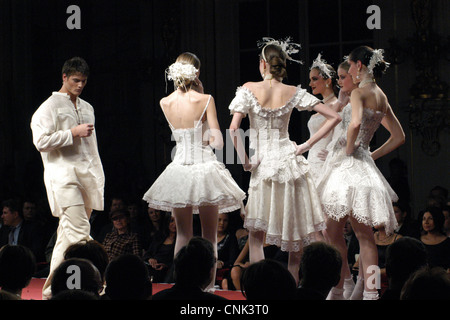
<point>283,201</point>
<point>353,185</point>
<point>194,185</point>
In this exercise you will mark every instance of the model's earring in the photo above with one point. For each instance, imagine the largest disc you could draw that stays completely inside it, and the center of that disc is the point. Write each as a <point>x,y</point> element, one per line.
<point>357,75</point>
<point>326,85</point>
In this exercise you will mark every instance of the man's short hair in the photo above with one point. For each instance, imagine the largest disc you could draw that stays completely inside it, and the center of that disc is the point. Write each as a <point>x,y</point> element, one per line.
<point>75,65</point>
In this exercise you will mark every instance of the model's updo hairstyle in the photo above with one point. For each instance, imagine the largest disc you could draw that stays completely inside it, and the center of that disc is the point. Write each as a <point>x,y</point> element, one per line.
<point>344,65</point>
<point>276,59</point>
<point>333,77</point>
<point>364,54</point>
<point>186,58</point>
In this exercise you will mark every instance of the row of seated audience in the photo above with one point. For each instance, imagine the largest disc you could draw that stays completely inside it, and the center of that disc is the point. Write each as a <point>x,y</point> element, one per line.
<point>124,232</point>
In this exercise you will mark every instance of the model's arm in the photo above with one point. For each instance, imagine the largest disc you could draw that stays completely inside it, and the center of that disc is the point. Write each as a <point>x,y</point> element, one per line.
<point>215,138</point>
<point>45,136</point>
<point>355,122</point>
<point>237,139</point>
<point>397,138</point>
<point>332,120</point>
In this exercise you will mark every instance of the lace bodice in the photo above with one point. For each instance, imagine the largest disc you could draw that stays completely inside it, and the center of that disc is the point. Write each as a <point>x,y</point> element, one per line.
<point>192,143</point>
<point>371,120</point>
<point>269,136</point>
<point>266,123</point>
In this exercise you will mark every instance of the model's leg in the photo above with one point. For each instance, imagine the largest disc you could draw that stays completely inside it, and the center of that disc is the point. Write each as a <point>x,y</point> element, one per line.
<point>294,264</point>
<point>256,245</point>
<point>209,218</point>
<point>73,227</point>
<point>183,221</point>
<point>335,235</point>
<point>368,255</point>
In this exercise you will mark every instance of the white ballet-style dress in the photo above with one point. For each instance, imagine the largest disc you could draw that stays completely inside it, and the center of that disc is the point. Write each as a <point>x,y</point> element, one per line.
<point>314,124</point>
<point>195,177</point>
<point>353,185</point>
<point>282,198</point>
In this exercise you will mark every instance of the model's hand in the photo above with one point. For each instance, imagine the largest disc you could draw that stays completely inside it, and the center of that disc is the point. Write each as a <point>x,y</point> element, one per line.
<point>83,130</point>
<point>302,148</point>
<point>322,154</point>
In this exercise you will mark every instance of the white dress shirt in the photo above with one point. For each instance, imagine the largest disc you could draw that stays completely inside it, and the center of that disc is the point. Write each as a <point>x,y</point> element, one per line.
<point>73,172</point>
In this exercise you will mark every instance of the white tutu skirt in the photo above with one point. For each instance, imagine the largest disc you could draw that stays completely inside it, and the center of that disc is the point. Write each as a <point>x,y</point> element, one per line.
<point>353,185</point>
<point>193,185</point>
<point>283,201</point>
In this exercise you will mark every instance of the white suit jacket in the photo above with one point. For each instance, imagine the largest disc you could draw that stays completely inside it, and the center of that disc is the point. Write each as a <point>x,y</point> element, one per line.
<point>73,172</point>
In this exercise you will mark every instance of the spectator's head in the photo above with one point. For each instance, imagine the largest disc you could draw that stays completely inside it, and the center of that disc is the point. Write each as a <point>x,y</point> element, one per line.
<point>320,267</point>
<point>427,284</point>
<point>433,220</point>
<point>90,250</point>
<point>127,278</point>
<point>403,257</point>
<point>76,274</point>
<point>120,219</point>
<point>267,279</point>
<point>11,213</point>
<point>17,266</point>
<point>194,263</point>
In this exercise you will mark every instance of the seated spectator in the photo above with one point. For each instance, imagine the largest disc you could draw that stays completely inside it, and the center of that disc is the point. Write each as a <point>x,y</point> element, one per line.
<point>154,221</point>
<point>159,255</point>
<point>101,221</point>
<point>268,280</point>
<point>17,266</point>
<point>320,270</point>
<point>92,251</point>
<point>227,248</point>
<point>403,257</point>
<point>436,242</point>
<point>76,274</point>
<point>352,244</point>
<point>127,278</point>
<point>20,231</point>
<point>194,268</point>
<point>121,240</point>
<point>406,225</point>
<point>427,284</point>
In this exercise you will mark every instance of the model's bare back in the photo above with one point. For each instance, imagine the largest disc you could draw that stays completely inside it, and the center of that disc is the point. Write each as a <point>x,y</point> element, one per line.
<point>272,97</point>
<point>184,109</point>
<point>374,98</point>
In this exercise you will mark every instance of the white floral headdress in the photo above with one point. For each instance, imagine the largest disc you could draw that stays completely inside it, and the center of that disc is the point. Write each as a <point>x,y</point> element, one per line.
<point>322,66</point>
<point>286,46</point>
<point>377,56</point>
<point>180,72</point>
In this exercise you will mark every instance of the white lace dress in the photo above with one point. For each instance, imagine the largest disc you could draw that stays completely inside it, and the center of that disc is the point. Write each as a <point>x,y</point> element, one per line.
<point>282,198</point>
<point>195,177</point>
<point>314,124</point>
<point>353,184</point>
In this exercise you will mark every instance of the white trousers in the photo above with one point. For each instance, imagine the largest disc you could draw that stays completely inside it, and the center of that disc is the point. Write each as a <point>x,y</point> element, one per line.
<point>73,227</point>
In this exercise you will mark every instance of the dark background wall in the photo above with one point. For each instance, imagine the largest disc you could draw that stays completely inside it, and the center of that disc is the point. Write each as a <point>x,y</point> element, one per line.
<point>129,44</point>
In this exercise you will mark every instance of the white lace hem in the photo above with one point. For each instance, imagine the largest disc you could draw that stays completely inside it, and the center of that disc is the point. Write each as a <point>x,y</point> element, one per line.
<point>285,245</point>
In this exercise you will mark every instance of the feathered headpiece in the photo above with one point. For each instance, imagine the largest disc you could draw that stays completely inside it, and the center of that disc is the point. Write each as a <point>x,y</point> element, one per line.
<point>377,56</point>
<point>322,66</point>
<point>286,46</point>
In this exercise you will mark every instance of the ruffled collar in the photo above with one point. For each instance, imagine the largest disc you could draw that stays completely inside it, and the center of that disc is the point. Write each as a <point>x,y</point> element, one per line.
<point>266,112</point>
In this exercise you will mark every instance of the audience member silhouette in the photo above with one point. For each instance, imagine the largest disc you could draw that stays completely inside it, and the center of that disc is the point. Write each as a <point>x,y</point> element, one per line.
<point>320,270</point>
<point>427,283</point>
<point>268,280</point>
<point>127,278</point>
<point>403,257</point>
<point>91,250</point>
<point>76,274</point>
<point>194,269</point>
<point>17,266</point>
